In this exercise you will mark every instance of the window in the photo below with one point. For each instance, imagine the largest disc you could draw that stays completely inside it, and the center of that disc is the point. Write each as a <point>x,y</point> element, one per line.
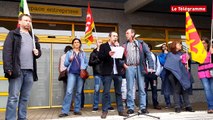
<point>174,34</point>
<point>102,32</point>
<point>158,36</point>
<point>206,34</point>
<point>150,32</point>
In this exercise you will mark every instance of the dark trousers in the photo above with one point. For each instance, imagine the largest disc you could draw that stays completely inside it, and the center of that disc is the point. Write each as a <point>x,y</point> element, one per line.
<point>167,100</point>
<point>151,79</point>
<point>106,93</point>
<point>178,91</point>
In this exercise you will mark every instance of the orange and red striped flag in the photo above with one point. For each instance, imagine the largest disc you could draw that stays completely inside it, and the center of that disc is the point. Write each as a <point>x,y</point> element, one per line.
<point>90,25</point>
<point>196,48</point>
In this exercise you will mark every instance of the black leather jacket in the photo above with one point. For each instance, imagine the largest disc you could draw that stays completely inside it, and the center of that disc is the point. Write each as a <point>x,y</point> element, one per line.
<point>95,62</point>
<point>11,52</point>
<point>108,62</point>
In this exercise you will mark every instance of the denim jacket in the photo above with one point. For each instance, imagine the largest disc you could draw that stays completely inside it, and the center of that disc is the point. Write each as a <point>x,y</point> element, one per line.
<point>84,61</point>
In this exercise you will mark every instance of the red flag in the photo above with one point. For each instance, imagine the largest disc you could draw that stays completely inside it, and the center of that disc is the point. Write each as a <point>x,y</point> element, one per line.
<point>90,25</point>
<point>196,48</point>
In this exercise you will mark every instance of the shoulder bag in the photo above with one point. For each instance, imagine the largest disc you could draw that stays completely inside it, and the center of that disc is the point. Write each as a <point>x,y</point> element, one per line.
<point>83,73</point>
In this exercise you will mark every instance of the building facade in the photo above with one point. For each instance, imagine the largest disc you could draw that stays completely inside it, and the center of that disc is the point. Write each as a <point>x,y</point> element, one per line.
<point>57,22</point>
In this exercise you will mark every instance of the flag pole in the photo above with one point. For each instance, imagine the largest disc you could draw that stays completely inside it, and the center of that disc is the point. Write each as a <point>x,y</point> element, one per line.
<point>26,11</point>
<point>187,51</point>
<point>96,35</point>
<point>33,36</point>
<point>211,40</point>
<point>211,33</point>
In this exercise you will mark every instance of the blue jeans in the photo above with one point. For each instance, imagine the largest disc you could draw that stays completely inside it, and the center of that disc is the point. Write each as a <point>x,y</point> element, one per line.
<point>133,72</point>
<point>19,93</point>
<point>208,88</point>
<point>98,79</point>
<point>106,93</point>
<point>74,80</point>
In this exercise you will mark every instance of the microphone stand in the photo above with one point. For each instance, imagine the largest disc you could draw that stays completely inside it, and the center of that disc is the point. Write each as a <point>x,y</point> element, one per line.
<point>137,48</point>
<point>138,113</point>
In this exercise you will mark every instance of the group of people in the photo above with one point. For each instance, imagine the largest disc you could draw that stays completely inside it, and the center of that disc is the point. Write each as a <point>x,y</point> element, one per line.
<point>107,68</point>
<point>139,66</point>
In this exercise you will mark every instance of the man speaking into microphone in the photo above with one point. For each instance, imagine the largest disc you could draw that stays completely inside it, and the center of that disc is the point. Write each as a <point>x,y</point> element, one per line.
<point>135,54</point>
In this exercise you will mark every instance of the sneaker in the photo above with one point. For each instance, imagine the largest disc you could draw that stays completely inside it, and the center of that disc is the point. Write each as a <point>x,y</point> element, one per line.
<point>130,111</point>
<point>144,111</point>
<point>157,107</point>
<point>95,110</point>
<point>63,115</point>
<point>189,109</point>
<point>111,109</point>
<point>210,111</point>
<point>77,113</point>
<point>177,110</point>
<point>104,114</point>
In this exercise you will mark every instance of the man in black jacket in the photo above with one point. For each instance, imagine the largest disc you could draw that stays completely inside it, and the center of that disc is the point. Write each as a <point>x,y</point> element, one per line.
<point>111,71</point>
<point>96,64</point>
<point>19,57</point>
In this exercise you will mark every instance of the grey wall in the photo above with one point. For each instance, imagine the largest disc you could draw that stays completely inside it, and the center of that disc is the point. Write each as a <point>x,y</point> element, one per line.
<point>106,12</point>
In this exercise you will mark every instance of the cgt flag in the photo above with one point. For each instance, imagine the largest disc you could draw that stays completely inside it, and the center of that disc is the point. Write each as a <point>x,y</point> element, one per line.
<point>196,48</point>
<point>90,25</point>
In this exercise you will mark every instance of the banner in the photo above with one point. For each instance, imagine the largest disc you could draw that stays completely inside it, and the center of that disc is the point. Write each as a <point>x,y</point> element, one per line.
<point>196,48</point>
<point>90,25</point>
